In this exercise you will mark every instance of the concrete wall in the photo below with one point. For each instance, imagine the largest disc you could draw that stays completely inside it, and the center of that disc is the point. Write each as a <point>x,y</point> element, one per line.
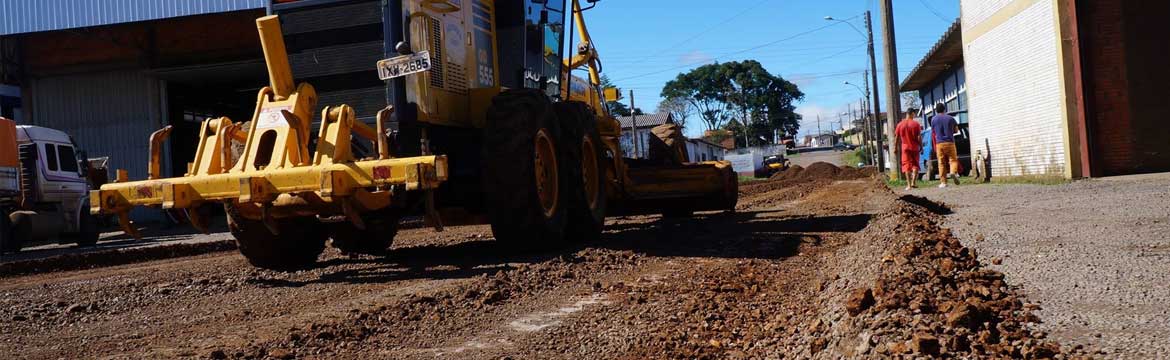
<point>1014,84</point>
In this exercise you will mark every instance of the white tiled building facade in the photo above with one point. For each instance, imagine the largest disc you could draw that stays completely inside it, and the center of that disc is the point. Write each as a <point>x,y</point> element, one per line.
<point>1014,85</point>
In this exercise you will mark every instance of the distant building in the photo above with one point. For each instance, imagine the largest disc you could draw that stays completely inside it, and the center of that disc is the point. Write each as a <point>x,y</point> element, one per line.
<point>642,132</point>
<point>940,77</point>
<point>1070,88</point>
<point>821,140</point>
<point>699,149</point>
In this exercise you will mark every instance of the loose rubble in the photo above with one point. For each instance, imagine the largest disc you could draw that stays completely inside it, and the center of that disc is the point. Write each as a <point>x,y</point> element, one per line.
<point>826,264</point>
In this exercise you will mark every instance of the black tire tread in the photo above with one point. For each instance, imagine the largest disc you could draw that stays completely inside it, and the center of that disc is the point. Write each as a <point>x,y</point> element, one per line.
<point>508,183</point>
<point>300,242</point>
<point>375,239</point>
<point>584,224</point>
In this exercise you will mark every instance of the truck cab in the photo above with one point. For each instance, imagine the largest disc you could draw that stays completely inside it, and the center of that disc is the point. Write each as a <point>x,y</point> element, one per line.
<point>51,191</point>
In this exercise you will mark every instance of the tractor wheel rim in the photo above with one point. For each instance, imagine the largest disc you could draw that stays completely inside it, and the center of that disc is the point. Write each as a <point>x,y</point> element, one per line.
<point>589,171</point>
<point>547,185</point>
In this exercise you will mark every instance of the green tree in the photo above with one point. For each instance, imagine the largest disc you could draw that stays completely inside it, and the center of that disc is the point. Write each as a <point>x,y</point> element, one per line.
<point>704,88</point>
<point>742,97</point>
<point>618,107</point>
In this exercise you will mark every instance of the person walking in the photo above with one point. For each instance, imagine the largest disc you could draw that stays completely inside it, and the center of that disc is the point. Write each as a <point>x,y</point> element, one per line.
<point>909,134</point>
<point>944,127</point>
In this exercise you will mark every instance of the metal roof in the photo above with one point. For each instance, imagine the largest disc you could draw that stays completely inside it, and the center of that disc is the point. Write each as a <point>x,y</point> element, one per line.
<point>646,120</point>
<point>946,52</point>
<point>25,16</point>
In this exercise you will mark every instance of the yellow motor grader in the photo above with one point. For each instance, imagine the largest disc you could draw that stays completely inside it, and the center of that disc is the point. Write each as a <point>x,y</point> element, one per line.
<point>484,122</point>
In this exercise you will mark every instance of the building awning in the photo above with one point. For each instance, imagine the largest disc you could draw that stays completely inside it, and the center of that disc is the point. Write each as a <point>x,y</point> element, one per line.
<point>26,16</point>
<point>945,53</point>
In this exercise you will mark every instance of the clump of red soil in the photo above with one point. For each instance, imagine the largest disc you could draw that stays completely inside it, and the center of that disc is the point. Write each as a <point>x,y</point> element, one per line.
<point>792,172</point>
<point>820,170</point>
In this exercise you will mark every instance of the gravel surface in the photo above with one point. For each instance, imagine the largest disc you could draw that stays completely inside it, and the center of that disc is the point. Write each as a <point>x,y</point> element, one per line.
<point>834,266</point>
<point>1094,254</point>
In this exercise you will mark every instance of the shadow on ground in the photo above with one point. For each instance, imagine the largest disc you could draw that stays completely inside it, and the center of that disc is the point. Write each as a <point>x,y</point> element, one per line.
<point>747,234</point>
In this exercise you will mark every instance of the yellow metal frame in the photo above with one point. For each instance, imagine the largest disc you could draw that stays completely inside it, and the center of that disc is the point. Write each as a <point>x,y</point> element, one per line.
<point>275,176</point>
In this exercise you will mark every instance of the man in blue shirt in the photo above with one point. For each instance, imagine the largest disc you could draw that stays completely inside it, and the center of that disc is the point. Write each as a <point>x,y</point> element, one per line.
<point>943,128</point>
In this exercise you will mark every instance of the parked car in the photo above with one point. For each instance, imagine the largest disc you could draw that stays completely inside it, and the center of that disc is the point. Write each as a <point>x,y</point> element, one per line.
<point>843,147</point>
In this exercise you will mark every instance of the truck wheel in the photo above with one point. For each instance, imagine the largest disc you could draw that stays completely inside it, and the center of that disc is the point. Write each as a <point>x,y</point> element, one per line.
<point>298,245</point>
<point>523,173</point>
<point>375,239</point>
<point>89,234</point>
<point>87,226</point>
<point>730,189</point>
<point>8,241</point>
<point>582,149</point>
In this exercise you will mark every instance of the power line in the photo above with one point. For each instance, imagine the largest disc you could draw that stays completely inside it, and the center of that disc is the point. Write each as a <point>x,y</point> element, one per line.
<point>707,30</point>
<point>935,12</point>
<point>735,52</point>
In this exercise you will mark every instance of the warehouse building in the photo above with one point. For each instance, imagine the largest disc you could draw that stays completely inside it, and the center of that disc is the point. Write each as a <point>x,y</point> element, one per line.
<point>111,72</point>
<point>1070,88</point>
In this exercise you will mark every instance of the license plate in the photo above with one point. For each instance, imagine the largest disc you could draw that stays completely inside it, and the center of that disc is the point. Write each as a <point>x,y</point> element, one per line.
<point>400,66</point>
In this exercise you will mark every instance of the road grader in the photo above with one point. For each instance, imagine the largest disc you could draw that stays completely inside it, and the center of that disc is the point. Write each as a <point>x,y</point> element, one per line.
<point>523,144</point>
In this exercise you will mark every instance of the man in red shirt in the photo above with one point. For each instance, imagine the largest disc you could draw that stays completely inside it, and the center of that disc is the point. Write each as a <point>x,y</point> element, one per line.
<point>909,134</point>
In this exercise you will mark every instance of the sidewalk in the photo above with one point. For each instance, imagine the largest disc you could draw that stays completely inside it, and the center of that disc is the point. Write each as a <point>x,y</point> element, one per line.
<point>1093,253</point>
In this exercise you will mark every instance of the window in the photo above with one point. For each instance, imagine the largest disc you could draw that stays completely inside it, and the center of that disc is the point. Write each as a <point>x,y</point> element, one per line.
<point>51,156</point>
<point>68,158</point>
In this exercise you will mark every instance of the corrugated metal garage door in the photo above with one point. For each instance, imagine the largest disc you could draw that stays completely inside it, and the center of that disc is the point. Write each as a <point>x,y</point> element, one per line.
<point>108,114</point>
<point>335,47</point>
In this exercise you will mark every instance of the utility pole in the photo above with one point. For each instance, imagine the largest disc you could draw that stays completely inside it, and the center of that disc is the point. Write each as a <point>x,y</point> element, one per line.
<point>893,95</point>
<point>819,131</point>
<point>876,109</point>
<point>634,125</point>
<point>868,138</point>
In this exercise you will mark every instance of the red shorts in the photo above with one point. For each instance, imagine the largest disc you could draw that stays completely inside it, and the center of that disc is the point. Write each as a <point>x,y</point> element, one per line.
<point>909,160</point>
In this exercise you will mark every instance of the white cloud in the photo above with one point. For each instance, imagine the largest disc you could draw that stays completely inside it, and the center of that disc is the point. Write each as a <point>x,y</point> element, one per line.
<point>695,57</point>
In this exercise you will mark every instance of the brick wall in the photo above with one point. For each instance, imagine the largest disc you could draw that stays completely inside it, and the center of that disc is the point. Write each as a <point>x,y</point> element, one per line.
<point>1103,31</point>
<point>1014,88</point>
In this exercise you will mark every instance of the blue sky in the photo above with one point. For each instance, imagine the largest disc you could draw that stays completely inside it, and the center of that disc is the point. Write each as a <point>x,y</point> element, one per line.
<point>645,43</point>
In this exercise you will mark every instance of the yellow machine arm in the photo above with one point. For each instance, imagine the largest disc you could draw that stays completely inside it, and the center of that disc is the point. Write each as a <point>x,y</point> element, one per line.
<point>586,54</point>
<point>275,175</point>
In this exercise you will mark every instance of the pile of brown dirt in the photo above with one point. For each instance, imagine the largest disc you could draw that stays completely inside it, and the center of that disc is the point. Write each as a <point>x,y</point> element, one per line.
<point>820,170</point>
<point>930,296</point>
<point>795,183</point>
<point>790,173</point>
<point>823,170</point>
<point>901,287</point>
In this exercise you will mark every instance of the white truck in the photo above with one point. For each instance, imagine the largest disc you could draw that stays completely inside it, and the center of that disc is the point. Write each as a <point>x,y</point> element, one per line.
<point>43,189</point>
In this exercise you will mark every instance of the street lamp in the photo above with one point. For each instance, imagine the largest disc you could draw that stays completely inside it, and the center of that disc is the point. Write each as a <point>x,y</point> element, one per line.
<point>877,110</point>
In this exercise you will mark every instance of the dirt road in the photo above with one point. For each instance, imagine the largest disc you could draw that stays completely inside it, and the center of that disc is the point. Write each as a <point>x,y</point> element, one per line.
<point>824,265</point>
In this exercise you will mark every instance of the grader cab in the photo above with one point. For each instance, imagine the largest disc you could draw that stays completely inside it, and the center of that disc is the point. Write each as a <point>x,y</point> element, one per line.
<point>519,143</point>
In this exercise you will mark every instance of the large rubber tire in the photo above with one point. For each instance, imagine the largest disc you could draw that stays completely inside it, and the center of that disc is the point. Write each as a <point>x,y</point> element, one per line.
<point>731,189</point>
<point>8,241</point>
<point>519,122</point>
<point>585,153</point>
<point>87,227</point>
<point>375,239</point>
<point>300,242</point>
